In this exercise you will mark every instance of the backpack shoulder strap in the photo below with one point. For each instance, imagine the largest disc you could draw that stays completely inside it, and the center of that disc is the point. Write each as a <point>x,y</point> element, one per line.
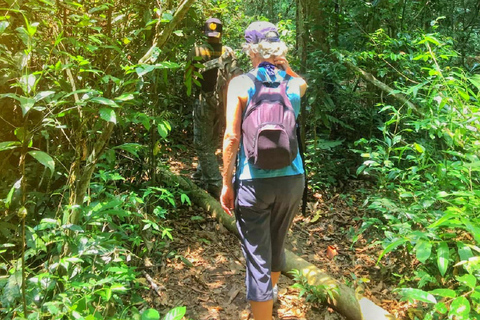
<point>251,76</point>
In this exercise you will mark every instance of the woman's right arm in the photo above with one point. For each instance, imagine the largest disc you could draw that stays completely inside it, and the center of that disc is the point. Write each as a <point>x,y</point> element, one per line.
<point>237,97</point>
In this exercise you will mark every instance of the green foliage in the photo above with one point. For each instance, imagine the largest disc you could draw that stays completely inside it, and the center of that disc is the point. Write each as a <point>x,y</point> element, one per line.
<point>319,294</point>
<point>427,167</point>
<point>73,99</point>
<point>98,277</point>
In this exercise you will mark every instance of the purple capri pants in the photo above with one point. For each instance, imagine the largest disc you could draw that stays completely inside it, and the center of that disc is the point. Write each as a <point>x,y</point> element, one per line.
<point>265,209</point>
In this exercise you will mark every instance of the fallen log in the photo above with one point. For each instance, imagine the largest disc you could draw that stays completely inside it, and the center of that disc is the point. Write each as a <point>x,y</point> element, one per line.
<point>344,299</point>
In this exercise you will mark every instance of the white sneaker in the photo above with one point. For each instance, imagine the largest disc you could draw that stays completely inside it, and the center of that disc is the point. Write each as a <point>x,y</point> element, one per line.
<point>275,294</point>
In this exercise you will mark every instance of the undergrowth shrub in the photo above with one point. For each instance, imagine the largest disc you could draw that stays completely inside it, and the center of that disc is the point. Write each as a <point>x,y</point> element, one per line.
<point>426,163</point>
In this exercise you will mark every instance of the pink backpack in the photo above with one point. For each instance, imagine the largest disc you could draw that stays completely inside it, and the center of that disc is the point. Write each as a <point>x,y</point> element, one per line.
<point>269,127</point>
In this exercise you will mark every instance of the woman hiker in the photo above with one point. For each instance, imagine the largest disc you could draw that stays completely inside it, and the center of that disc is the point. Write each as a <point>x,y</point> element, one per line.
<point>264,201</point>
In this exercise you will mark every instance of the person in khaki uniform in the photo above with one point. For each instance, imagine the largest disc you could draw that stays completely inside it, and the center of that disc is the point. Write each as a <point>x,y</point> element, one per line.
<point>220,65</point>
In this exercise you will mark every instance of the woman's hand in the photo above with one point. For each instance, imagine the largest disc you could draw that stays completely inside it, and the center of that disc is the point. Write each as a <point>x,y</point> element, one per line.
<point>227,199</point>
<point>281,62</point>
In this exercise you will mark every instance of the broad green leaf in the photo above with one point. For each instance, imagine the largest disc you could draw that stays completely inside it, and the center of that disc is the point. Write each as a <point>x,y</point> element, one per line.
<point>8,145</point>
<point>104,101</point>
<point>162,130</point>
<point>441,307</point>
<point>42,95</point>
<point>178,33</point>
<point>143,119</point>
<point>472,228</point>
<point>167,17</point>
<point>392,246</point>
<point>16,186</point>
<point>423,250</point>
<point>11,291</point>
<point>176,313</point>
<point>443,254</point>
<point>475,80</point>
<point>26,104</point>
<point>44,159</point>
<point>53,307</point>
<point>32,28</point>
<point>144,69</point>
<point>3,25</point>
<point>417,294</point>
<point>125,97</point>
<point>460,308</point>
<point>469,280</point>
<point>108,115</point>
<point>419,148</point>
<point>132,148</point>
<point>28,82</point>
<point>446,293</point>
<point>464,251</point>
<point>119,287</point>
<point>150,314</point>
<point>185,199</point>
<point>167,65</point>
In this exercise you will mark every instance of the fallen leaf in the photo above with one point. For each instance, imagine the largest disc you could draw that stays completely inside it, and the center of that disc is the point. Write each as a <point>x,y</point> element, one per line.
<point>331,252</point>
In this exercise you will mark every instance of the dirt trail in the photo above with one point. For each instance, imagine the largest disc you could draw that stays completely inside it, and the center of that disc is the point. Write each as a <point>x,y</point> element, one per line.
<point>204,268</point>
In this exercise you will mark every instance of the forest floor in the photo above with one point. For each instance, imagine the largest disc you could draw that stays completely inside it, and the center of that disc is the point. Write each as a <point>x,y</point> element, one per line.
<point>205,268</point>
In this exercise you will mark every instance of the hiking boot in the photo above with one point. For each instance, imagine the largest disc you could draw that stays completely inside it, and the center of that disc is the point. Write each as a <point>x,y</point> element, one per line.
<point>196,176</point>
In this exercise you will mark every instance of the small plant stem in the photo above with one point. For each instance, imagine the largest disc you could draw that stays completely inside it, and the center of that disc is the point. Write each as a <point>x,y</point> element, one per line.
<point>24,276</point>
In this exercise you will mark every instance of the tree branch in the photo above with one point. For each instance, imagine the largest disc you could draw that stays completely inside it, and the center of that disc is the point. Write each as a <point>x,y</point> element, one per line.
<point>162,37</point>
<point>371,78</point>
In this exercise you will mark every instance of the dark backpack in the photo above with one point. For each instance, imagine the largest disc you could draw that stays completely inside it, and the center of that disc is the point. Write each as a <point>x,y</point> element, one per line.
<point>269,127</point>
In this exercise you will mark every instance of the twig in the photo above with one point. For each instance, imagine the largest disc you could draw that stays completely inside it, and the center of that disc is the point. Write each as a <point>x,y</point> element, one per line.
<point>158,288</point>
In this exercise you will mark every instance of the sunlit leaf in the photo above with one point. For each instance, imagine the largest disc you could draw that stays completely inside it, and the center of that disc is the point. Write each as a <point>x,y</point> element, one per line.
<point>150,314</point>
<point>44,159</point>
<point>475,80</point>
<point>176,313</point>
<point>469,280</point>
<point>8,145</point>
<point>460,309</point>
<point>3,25</point>
<point>392,246</point>
<point>144,69</point>
<point>125,97</point>
<point>28,82</point>
<point>464,251</point>
<point>16,186</point>
<point>104,101</point>
<point>162,130</point>
<point>441,307</point>
<point>185,199</point>
<point>132,148</point>
<point>416,294</point>
<point>108,115</point>
<point>446,293</point>
<point>423,250</point>
<point>443,255</point>
<point>42,95</point>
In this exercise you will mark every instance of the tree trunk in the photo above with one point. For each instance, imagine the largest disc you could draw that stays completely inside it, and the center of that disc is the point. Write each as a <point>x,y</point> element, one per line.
<point>344,300</point>
<point>83,182</point>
